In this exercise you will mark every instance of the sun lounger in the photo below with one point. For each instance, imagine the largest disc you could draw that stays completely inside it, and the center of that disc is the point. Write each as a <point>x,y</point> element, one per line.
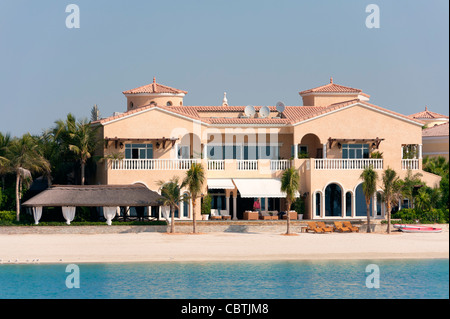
<point>340,228</point>
<point>215,214</point>
<point>325,227</point>
<point>351,227</point>
<point>225,214</point>
<point>312,226</point>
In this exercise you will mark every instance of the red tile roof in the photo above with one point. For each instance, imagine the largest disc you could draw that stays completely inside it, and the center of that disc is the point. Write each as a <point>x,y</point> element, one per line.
<point>332,88</point>
<point>291,115</point>
<point>437,130</point>
<point>427,115</point>
<point>154,88</point>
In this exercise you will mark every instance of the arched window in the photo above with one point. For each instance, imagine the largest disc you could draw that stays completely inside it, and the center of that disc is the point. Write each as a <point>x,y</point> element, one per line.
<point>186,207</point>
<point>348,204</point>
<point>169,103</point>
<point>318,199</point>
<point>131,105</point>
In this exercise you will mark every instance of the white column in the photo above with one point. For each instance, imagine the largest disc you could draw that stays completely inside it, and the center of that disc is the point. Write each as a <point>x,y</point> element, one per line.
<point>234,208</point>
<point>420,151</point>
<point>322,214</point>
<point>205,151</point>
<point>353,204</point>
<point>295,151</point>
<point>344,204</point>
<point>266,204</point>
<point>324,150</point>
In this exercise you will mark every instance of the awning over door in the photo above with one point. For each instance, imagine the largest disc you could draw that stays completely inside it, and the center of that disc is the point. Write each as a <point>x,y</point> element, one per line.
<point>259,187</point>
<point>220,183</point>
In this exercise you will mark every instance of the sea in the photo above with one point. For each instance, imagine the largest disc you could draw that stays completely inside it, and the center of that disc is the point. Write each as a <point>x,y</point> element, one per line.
<point>332,279</point>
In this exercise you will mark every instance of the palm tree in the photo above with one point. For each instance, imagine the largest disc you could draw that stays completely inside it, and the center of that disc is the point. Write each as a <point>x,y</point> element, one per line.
<point>171,196</point>
<point>391,192</point>
<point>5,141</point>
<point>369,187</point>
<point>24,157</point>
<point>290,184</point>
<point>408,184</point>
<point>195,177</point>
<point>82,143</point>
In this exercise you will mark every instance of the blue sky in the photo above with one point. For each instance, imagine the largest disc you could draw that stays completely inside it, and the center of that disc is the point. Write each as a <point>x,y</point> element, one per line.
<point>259,52</point>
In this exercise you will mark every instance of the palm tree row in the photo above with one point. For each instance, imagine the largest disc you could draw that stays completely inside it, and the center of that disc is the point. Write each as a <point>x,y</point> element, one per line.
<point>393,189</point>
<point>53,154</point>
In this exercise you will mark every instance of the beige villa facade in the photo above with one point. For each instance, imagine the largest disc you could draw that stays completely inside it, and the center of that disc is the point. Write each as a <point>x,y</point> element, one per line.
<point>329,139</point>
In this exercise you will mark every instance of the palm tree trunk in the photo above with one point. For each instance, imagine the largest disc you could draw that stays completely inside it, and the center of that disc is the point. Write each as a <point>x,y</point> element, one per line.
<point>82,172</point>
<point>194,222</point>
<point>17,196</point>
<point>172,226</point>
<point>288,231</point>
<point>389,218</point>
<point>368,215</point>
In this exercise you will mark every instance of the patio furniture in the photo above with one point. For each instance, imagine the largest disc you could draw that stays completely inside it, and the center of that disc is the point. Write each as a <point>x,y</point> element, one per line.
<point>265,216</point>
<point>249,215</point>
<point>340,228</point>
<point>225,214</point>
<point>351,227</point>
<point>312,226</point>
<point>325,227</point>
<point>292,214</point>
<point>274,214</point>
<point>215,214</point>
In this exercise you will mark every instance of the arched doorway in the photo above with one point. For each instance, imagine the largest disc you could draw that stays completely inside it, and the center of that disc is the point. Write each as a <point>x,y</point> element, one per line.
<point>310,147</point>
<point>360,202</point>
<point>333,200</point>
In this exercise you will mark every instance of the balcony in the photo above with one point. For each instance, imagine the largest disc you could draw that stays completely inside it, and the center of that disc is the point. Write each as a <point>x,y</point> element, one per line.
<point>347,164</point>
<point>152,164</point>
<point>248,165</point>
<point>412,164</point>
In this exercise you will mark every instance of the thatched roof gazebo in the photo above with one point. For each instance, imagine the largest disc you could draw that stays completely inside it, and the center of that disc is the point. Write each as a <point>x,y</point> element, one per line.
<point>110,197</point>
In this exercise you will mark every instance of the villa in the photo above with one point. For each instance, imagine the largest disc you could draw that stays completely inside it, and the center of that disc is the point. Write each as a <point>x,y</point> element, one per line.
<point>330,139</point>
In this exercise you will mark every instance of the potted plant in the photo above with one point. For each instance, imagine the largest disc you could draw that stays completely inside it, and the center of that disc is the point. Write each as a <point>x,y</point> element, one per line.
<point>376,154</point>
<point>206,207</point>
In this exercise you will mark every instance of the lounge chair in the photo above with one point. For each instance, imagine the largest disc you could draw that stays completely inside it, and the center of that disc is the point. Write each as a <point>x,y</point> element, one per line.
<point>351,227</point>
<point>324,227</point>
<point>312,226</point>
<point>215,214</point>
<point>225,214</point>
<point>340,228</point>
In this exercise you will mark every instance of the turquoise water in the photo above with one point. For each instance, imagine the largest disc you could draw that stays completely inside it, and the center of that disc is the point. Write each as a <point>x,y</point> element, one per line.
<point>229,280</point>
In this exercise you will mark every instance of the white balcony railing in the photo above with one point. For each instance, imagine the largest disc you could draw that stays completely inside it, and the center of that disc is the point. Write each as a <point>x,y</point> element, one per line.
<point>279,165</point>
<point>152,164</point>
<point>216,165</point>
<point>247,165</point>
<point>347,164</point>
<point>410,164</point>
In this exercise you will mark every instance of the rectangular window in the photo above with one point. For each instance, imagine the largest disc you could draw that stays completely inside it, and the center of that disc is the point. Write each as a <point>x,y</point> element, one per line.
<point>138,151</point>
<point>354,151</point>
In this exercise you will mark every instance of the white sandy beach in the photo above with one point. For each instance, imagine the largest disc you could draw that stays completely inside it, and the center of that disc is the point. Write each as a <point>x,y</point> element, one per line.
<point>155,247</point>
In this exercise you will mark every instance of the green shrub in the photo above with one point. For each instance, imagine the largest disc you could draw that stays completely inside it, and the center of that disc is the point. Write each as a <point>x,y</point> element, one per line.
<point>433,216</point>
<point>7,216</point>
<point>206,205</point>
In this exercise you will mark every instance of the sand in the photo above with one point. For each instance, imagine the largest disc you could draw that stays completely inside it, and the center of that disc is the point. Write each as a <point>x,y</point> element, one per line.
<point>161,247</point>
